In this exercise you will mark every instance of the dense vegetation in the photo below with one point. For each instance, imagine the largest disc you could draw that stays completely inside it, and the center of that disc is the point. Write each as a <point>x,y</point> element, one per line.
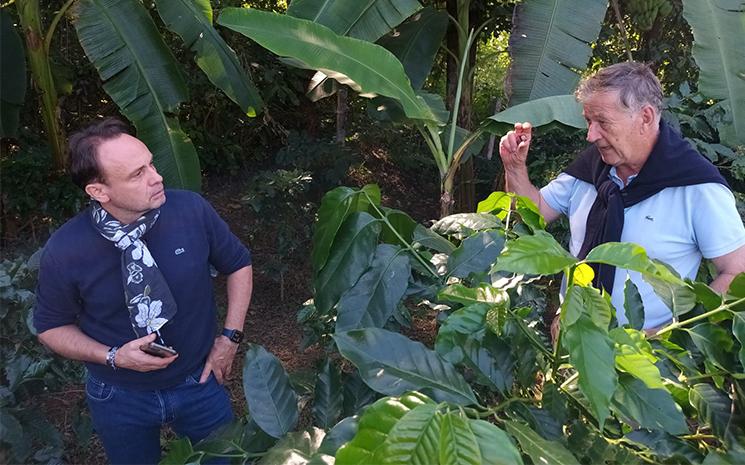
<point>202,85</point>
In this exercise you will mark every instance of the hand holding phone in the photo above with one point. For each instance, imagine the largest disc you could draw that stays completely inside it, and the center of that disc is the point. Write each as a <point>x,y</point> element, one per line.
<point>158,350</point>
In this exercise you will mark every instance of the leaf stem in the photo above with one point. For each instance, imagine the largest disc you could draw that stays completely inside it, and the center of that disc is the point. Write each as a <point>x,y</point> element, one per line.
<point>421,260</point>
<point>680,324</point>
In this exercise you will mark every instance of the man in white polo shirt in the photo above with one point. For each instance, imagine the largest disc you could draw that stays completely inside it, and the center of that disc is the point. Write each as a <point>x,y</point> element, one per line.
<point>639,182</point>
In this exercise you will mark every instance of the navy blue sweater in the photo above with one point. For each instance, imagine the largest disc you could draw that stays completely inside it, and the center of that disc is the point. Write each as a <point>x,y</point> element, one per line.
<point>80,283</point>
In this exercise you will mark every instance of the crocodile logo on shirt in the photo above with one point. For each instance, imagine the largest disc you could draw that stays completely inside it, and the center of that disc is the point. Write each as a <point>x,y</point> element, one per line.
<point>179,251</point>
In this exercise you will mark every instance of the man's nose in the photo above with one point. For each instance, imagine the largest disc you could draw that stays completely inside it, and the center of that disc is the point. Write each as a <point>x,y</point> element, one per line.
<point>592,132</point>
<point>156,177</point>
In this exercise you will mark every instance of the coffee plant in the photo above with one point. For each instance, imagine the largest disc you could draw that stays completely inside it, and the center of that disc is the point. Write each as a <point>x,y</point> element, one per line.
<point>494,389</point>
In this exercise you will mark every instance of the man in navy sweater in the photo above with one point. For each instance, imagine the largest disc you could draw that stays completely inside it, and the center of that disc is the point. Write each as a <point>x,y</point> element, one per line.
<point>131,270</point>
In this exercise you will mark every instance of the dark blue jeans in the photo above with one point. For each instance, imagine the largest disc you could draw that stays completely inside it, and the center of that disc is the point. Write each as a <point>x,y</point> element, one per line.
<point>129,422</point>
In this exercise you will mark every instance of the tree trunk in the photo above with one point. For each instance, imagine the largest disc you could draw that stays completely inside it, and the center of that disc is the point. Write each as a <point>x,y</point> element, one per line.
<point>342,110</point>
<point>38,57</point>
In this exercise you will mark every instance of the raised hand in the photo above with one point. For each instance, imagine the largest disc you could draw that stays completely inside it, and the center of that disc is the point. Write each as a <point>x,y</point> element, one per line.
<point>513,147</point>
<point>131,357</point>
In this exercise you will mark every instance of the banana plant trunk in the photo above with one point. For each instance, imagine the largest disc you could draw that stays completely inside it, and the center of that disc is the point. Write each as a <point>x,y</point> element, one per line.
<point>38,58</point>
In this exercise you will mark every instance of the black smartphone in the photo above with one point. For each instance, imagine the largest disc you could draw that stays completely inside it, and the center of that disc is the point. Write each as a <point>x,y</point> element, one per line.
<point>159,350</point>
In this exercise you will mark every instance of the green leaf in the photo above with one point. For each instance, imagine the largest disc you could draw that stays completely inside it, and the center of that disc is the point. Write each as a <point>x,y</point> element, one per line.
<point>12,76</point>
<point>402,223</point>
<point>327,395</point>
<point>540,450</point>
<point>483,293</point>
<point>495,446</point>
<point>622,255</point>
<point>738,330</point>
<point>340,434</point>
<point>271,401</point>
<point>563,109</point>
<point>591,352</point>
<point>537,254</point>
<point>633,305</point>
<point>391,363</point>
<point>710,298</point>
<point>476,254</point>
<point>12,434</point>
<point>375,425</point>
<point>192,21</point>
<point>462,225</point>
<point>714,407</point>
<point>372,300</point>
<point>457,442</point>
<point>416,42</point>
<point>550,43</point>
<point>357,394</point>
<point>677,295</point>
<point>719,59</point>
<point>335,207</point>
<point>142,78</point>
<point>665,446</point>
<point>737,287</point>
<point>294,449</point>
<point>456,327</point>
<point>349,257</point>
<point>589,302</point>
<point>413,440</point>
<point>498,203</point>
<point>431,240</point>
<point>366,67</point>
<point>715,343</point>
<point>529,213</point>
<point>650,408</point>
<point>634,356</point>
<point>179,452</point>
<point>491,359</point>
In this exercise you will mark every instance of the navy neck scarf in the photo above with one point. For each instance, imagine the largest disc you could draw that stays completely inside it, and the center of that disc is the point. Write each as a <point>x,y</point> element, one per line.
<point>672,163</point>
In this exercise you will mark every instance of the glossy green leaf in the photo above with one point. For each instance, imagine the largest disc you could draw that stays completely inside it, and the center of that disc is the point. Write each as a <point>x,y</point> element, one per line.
<point>529,213</point>
<point>366,67</point>
<point>665,446</point>
<point>372,300</point>
<point>649,408</point>
<point>476,254</point>
<point>586,301</point>
<point>357,394</point>
<point>413,440</point>
<point>622,255</point>
<point>391,363</point>
<point>710,298</point>
<point>431,240</point>
<point>179,452</point>
<point>738,330</point>
<point>491,360</point>
<point>550,44</point>
<point>327,395</point>
<point>142,78</point>
<point>563,109</point>
<point>416,42</point>
<point>294,448</point>
<point>715,343</point>
<point>350,256</point>
<point>340,434</point>
<point>633,305</point>
<point>335,207</point>
<point>375,425</point>
<point>403,225</point>
<point>537,254</point>
<point>540,450</point>
<point>462,225</point>
<point>271,401</point>
<point>714,23</point>
<point>12,76</point>
<point>634,356</point>
<point>458,444</point>
<point>495,446</point>
<point>713,406</point>
<point>455,329</point>
<point>483,293</point>
<point>591,352</point>
<point>737,287</point>
<point>498,203</point>
<point>192,21</point>
<point>676,294</point>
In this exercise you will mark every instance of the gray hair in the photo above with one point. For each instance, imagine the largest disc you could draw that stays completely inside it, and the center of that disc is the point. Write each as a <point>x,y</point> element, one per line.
<point>635,83</point>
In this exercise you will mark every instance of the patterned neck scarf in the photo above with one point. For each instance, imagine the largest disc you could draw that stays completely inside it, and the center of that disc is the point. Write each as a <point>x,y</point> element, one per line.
<point>148,298</point>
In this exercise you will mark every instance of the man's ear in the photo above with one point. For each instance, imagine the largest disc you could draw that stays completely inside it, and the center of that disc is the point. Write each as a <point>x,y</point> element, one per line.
<point>97,191</point>
<point>649,119</point>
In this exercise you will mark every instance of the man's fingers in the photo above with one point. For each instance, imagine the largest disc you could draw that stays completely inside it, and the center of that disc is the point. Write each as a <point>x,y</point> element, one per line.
<point>205,373</point>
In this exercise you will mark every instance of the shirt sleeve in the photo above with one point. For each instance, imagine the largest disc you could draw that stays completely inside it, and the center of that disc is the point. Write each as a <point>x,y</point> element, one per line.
<point>57,299</point>
<point>558,192</point>
<point>227,253</point>
<point>717,225</point>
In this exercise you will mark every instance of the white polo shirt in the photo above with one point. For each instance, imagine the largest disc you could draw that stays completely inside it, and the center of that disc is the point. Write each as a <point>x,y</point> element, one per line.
<point>678,226</point>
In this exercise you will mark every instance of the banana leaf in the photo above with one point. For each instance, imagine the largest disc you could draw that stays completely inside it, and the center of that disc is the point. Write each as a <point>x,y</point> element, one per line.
<point>12,76</point>
<point>551,39</point>
<point>192,21</point>
<point>718,28</point>
<point>142,78</point>
<point>547,111</point>
<point>367,68</point>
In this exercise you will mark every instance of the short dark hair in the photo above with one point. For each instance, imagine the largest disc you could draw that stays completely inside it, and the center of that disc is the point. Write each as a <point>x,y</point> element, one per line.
<point>83,145</point>
<point>635,82</point>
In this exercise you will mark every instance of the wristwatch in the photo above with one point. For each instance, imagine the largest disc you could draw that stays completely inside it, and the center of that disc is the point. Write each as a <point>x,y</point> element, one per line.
<point>233,334</point>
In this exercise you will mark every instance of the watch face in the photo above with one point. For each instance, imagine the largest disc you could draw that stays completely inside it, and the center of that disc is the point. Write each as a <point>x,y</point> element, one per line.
<point>234,335</point>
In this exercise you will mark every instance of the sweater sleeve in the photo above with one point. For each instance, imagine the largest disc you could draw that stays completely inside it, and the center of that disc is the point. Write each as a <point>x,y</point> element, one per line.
<point>227,253</point>
<point>57,300</point>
